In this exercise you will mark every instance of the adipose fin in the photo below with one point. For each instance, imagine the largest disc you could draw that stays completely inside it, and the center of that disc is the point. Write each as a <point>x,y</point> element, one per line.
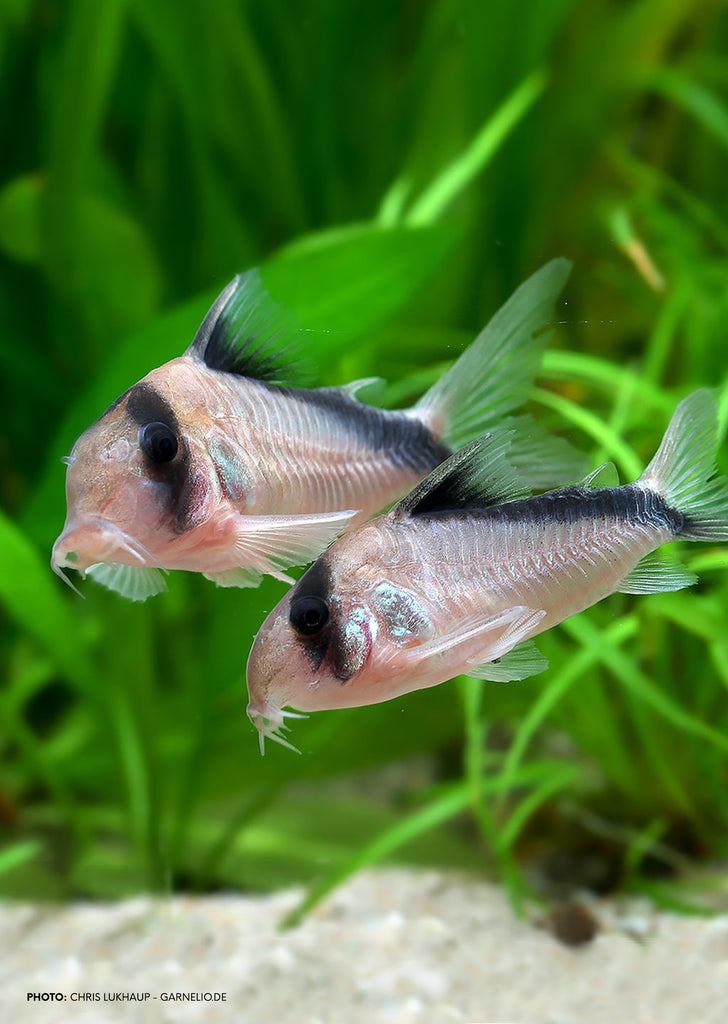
<point>603,476</point>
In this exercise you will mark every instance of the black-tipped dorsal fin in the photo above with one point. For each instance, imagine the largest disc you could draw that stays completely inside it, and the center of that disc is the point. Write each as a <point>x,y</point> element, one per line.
<point>476,477</point>
<point>246,332</point>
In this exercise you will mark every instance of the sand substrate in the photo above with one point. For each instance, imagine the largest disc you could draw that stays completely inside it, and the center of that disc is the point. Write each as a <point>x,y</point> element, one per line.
<point>399,947</point>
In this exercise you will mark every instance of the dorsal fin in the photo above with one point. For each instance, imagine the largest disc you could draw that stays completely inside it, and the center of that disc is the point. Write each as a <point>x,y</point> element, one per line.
<point>246,332</point>
<point>476,477</point>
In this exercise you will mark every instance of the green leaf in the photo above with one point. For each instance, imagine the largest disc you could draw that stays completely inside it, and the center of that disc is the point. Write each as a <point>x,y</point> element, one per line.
<point>595,427</point>
<point>90,44</point>
<point>464,169</point>
<point>31,596</point>
<point>640,685</point>
<point>558,685</point>
<point>20,219</point>
<point>439,810</point>
<point>346,282</point>
<point>693,97</point>
<point>19,853</point>
<point>116,264</point>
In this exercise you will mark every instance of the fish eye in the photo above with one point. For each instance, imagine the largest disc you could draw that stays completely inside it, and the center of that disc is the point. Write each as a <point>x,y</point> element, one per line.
<point>158,442</point>
<point>308,615</point>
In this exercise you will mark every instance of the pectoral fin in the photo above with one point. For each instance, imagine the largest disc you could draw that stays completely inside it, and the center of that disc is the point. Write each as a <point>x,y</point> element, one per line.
<point>267,545</point>
<point>480,640</point>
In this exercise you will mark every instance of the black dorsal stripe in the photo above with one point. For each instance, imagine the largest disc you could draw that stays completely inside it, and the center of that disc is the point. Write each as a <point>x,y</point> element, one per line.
<point>407,441</point>
<point>571,505</point>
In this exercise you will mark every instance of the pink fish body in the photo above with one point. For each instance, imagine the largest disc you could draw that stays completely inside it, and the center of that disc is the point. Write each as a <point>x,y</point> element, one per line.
<point>461,574</point>
<point>209,465</point>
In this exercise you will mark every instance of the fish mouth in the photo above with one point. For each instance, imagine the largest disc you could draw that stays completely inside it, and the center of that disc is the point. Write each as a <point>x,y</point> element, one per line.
<point>93,540</point>
<point>269,721</point>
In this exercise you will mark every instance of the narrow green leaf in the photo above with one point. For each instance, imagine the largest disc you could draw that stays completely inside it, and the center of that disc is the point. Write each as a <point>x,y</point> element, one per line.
<point>639,684</point>
<point>555,690</point>
<point>557,777</point>
<point>596,428</point>
<point>439,810</point>
<point>90,45</point>
<point>462,171</point>
<point>19,853</point>
<point>605,376</point>
<point>693,97</point>
<point>20,219</point>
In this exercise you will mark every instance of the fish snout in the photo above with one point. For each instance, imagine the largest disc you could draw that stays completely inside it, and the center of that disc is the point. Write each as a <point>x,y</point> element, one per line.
<point>268,675</point>
<point>88,541</point>
<point>261,672</point>
<point>78,546</point>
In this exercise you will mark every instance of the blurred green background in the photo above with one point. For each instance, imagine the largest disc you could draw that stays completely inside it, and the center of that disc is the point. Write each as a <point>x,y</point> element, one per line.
<point>396,170</point>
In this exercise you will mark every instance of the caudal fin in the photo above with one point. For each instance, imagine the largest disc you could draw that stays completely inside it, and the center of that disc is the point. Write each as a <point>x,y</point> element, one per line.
<point>683,470</point>
<point>494,376</point>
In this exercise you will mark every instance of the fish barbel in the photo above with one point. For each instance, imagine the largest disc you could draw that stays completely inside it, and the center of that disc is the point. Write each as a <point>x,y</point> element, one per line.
<point>209,465</point>
<point>461,574</point>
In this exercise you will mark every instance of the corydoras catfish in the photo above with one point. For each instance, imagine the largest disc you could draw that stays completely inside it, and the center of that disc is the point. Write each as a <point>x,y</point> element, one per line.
<point>460,574</point>
<point>209,464</point>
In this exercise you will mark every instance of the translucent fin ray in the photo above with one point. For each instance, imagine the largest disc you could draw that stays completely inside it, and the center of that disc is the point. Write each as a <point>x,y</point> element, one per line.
<point>652,575</point>
<point>495,374</point>
<point>267,545</point>
<point>522,661</point>
<point>135,582</point>
<point>493,636</point>
<point>247,333</point>
<point>543,460</point>
<point>683,469</point>
<point>478,476</point>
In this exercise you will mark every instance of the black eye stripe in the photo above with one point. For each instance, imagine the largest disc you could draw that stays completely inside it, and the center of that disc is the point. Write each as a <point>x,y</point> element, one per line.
<point>146,405</point>
<point>309,614</point>
<point>158,442</point>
